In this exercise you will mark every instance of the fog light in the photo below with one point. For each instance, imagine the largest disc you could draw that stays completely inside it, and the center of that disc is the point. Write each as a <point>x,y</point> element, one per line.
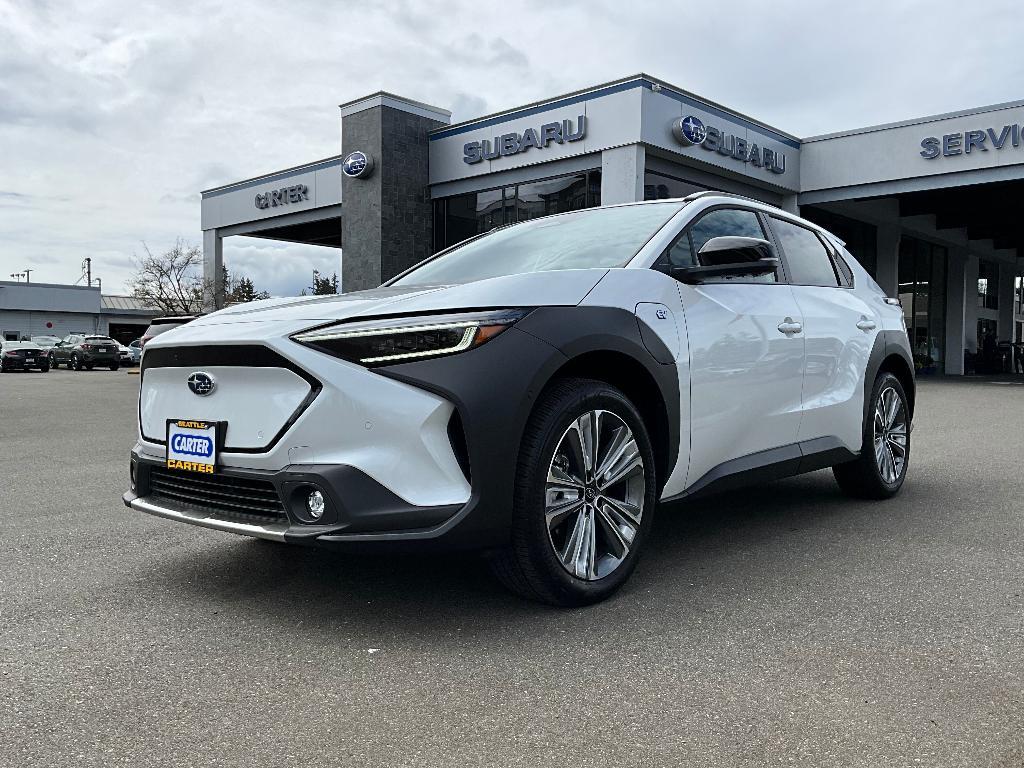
<point>315,505</point>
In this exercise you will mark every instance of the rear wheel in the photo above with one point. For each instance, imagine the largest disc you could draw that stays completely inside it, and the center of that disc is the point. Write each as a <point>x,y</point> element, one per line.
<point>584,498</point>
<point>881,468</point>
<point>115,366</point>
<point>44,368</point>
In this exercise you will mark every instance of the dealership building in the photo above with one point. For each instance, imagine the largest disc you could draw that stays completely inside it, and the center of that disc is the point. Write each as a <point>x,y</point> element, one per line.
<point>50,309</point>
<point>933,207</point>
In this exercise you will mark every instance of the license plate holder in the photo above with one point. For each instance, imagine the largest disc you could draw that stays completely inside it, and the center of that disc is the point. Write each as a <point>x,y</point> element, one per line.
<point>193,445</point>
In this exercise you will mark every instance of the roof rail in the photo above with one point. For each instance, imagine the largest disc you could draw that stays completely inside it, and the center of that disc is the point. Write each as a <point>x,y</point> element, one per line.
<point>713,193</point>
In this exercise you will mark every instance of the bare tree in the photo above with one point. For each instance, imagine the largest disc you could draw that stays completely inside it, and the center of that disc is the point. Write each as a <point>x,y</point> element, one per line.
<point>172,281</point>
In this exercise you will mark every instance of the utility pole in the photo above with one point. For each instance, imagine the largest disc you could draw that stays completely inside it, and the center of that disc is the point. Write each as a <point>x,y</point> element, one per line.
<point>27,273</point>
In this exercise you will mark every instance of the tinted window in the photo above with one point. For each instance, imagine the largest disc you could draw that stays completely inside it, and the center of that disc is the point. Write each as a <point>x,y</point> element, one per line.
<point>602,237</point>
<point>722,222</point>
<point>806,258</point>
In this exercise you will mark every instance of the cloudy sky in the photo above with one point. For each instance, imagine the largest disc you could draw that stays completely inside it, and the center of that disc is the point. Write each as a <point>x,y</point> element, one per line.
<point>114,115</point>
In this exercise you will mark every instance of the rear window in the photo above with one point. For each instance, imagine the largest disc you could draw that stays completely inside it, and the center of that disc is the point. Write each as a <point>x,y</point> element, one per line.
<point>100,339</point>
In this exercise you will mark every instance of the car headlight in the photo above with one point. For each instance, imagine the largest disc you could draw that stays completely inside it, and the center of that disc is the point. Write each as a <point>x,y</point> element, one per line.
<point>392,340</point>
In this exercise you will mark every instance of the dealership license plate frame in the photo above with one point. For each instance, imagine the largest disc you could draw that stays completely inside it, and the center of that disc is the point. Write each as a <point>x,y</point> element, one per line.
<point>214,430</point>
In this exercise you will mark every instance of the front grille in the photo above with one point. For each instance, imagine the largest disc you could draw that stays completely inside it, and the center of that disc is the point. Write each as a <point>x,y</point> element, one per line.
<point>236,498</point>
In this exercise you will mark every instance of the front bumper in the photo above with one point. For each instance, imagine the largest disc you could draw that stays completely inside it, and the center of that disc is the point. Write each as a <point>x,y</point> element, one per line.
<point>271,505</point>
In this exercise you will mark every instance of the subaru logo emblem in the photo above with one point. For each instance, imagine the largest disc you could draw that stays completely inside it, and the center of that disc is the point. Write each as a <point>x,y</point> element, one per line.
<point>357,165</point>
<point>689,130</point>
<point>201,383</point>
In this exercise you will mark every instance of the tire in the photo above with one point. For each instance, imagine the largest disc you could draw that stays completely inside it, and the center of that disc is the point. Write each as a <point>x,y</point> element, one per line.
<point>44,368</point>
<point>89,366</point>
<point>75,363</point>
<point>114,367</point>
<point>532,564</point>
<point>880,475</point>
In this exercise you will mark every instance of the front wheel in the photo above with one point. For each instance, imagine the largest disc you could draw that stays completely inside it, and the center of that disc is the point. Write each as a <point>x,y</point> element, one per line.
<point>881,468</point>
<point>75,363</point>
<point>584,497</point>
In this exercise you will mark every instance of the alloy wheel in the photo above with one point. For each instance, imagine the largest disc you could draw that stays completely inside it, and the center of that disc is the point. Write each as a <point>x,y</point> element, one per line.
<point>890,435</point>
<point>594,495</point>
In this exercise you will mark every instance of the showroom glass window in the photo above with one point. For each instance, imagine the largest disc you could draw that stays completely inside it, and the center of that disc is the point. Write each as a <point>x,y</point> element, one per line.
<point>922,291</point>
<point>860,239</point>
<point>988,285</point>
<point>658,186</point>
<point>459,217</point>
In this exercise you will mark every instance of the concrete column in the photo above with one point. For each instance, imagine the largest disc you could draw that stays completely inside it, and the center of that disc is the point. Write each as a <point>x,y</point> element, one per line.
<point>888,247</point>
<point>971,304</point>
<point>789,204</point>
<point>213,270</point>
<point>956,309</point>
<point>1006,274</point>
<point>622,174</point>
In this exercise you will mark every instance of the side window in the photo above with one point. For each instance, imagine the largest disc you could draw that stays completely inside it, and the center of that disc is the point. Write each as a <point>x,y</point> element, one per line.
<point>806,258</point>
<point>724,222</point>
<point>728,222</point>
<point>845,273</point>
<point>680,254</point>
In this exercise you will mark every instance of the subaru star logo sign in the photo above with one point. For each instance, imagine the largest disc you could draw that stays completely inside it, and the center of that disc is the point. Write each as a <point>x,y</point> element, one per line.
<point>201,383</point>
<point>690,130</point>
<point>357,165</point>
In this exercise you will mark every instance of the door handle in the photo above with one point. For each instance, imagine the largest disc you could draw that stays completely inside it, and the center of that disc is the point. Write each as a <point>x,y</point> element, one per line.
<point>866,325</point>
<point>789,326</point>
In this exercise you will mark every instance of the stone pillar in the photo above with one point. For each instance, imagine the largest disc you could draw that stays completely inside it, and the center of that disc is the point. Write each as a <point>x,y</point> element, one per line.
<point>386,215</point>
<point>888,269</point>
<point>213,270</point>
<point>622,174</point>
<point>956,310</point>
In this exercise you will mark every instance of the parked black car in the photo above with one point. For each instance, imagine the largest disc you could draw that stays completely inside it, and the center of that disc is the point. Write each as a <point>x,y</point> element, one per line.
<point>22,356</point>
<point>79,351</point>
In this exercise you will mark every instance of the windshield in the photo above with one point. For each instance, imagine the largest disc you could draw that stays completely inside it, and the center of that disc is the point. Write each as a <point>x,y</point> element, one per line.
<point>597,237</point>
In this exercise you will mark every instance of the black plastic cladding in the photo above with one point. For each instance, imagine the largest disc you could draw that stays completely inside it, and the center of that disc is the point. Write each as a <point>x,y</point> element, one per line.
<point>496,386</point>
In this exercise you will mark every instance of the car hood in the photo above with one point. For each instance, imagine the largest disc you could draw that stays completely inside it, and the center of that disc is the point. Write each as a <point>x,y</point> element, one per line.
<point>562,288</point>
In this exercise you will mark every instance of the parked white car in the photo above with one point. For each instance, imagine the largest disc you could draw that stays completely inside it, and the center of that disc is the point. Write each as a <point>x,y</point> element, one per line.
<point>535,391</point>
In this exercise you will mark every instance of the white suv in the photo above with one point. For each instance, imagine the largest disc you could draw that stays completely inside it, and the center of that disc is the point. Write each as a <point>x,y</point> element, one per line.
<point>535,391</point>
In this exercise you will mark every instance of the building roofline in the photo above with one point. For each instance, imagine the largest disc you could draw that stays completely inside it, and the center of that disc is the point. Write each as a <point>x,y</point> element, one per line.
<point>640,79</point>
<point>381,98</point>
<point>918,121</point>
<point>14,283</point>
<point>327,161</point>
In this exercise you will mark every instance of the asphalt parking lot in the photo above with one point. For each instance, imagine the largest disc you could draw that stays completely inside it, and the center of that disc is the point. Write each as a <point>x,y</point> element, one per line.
<point>783,625</point>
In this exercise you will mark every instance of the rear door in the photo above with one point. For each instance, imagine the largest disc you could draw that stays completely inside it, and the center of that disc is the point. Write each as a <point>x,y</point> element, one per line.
<point>839,328</point>
<point>746,354</point>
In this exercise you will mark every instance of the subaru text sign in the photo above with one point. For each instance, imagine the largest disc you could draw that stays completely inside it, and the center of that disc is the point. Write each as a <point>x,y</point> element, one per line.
<point>691,131</point>
<point>513,143</point>
<point>970,141</point>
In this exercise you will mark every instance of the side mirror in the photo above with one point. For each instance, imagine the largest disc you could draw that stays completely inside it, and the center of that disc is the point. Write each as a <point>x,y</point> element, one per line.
<point>730,257</point>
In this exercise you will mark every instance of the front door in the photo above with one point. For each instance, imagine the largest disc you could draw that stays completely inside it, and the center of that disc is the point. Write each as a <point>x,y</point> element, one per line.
<point>746,355</point>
